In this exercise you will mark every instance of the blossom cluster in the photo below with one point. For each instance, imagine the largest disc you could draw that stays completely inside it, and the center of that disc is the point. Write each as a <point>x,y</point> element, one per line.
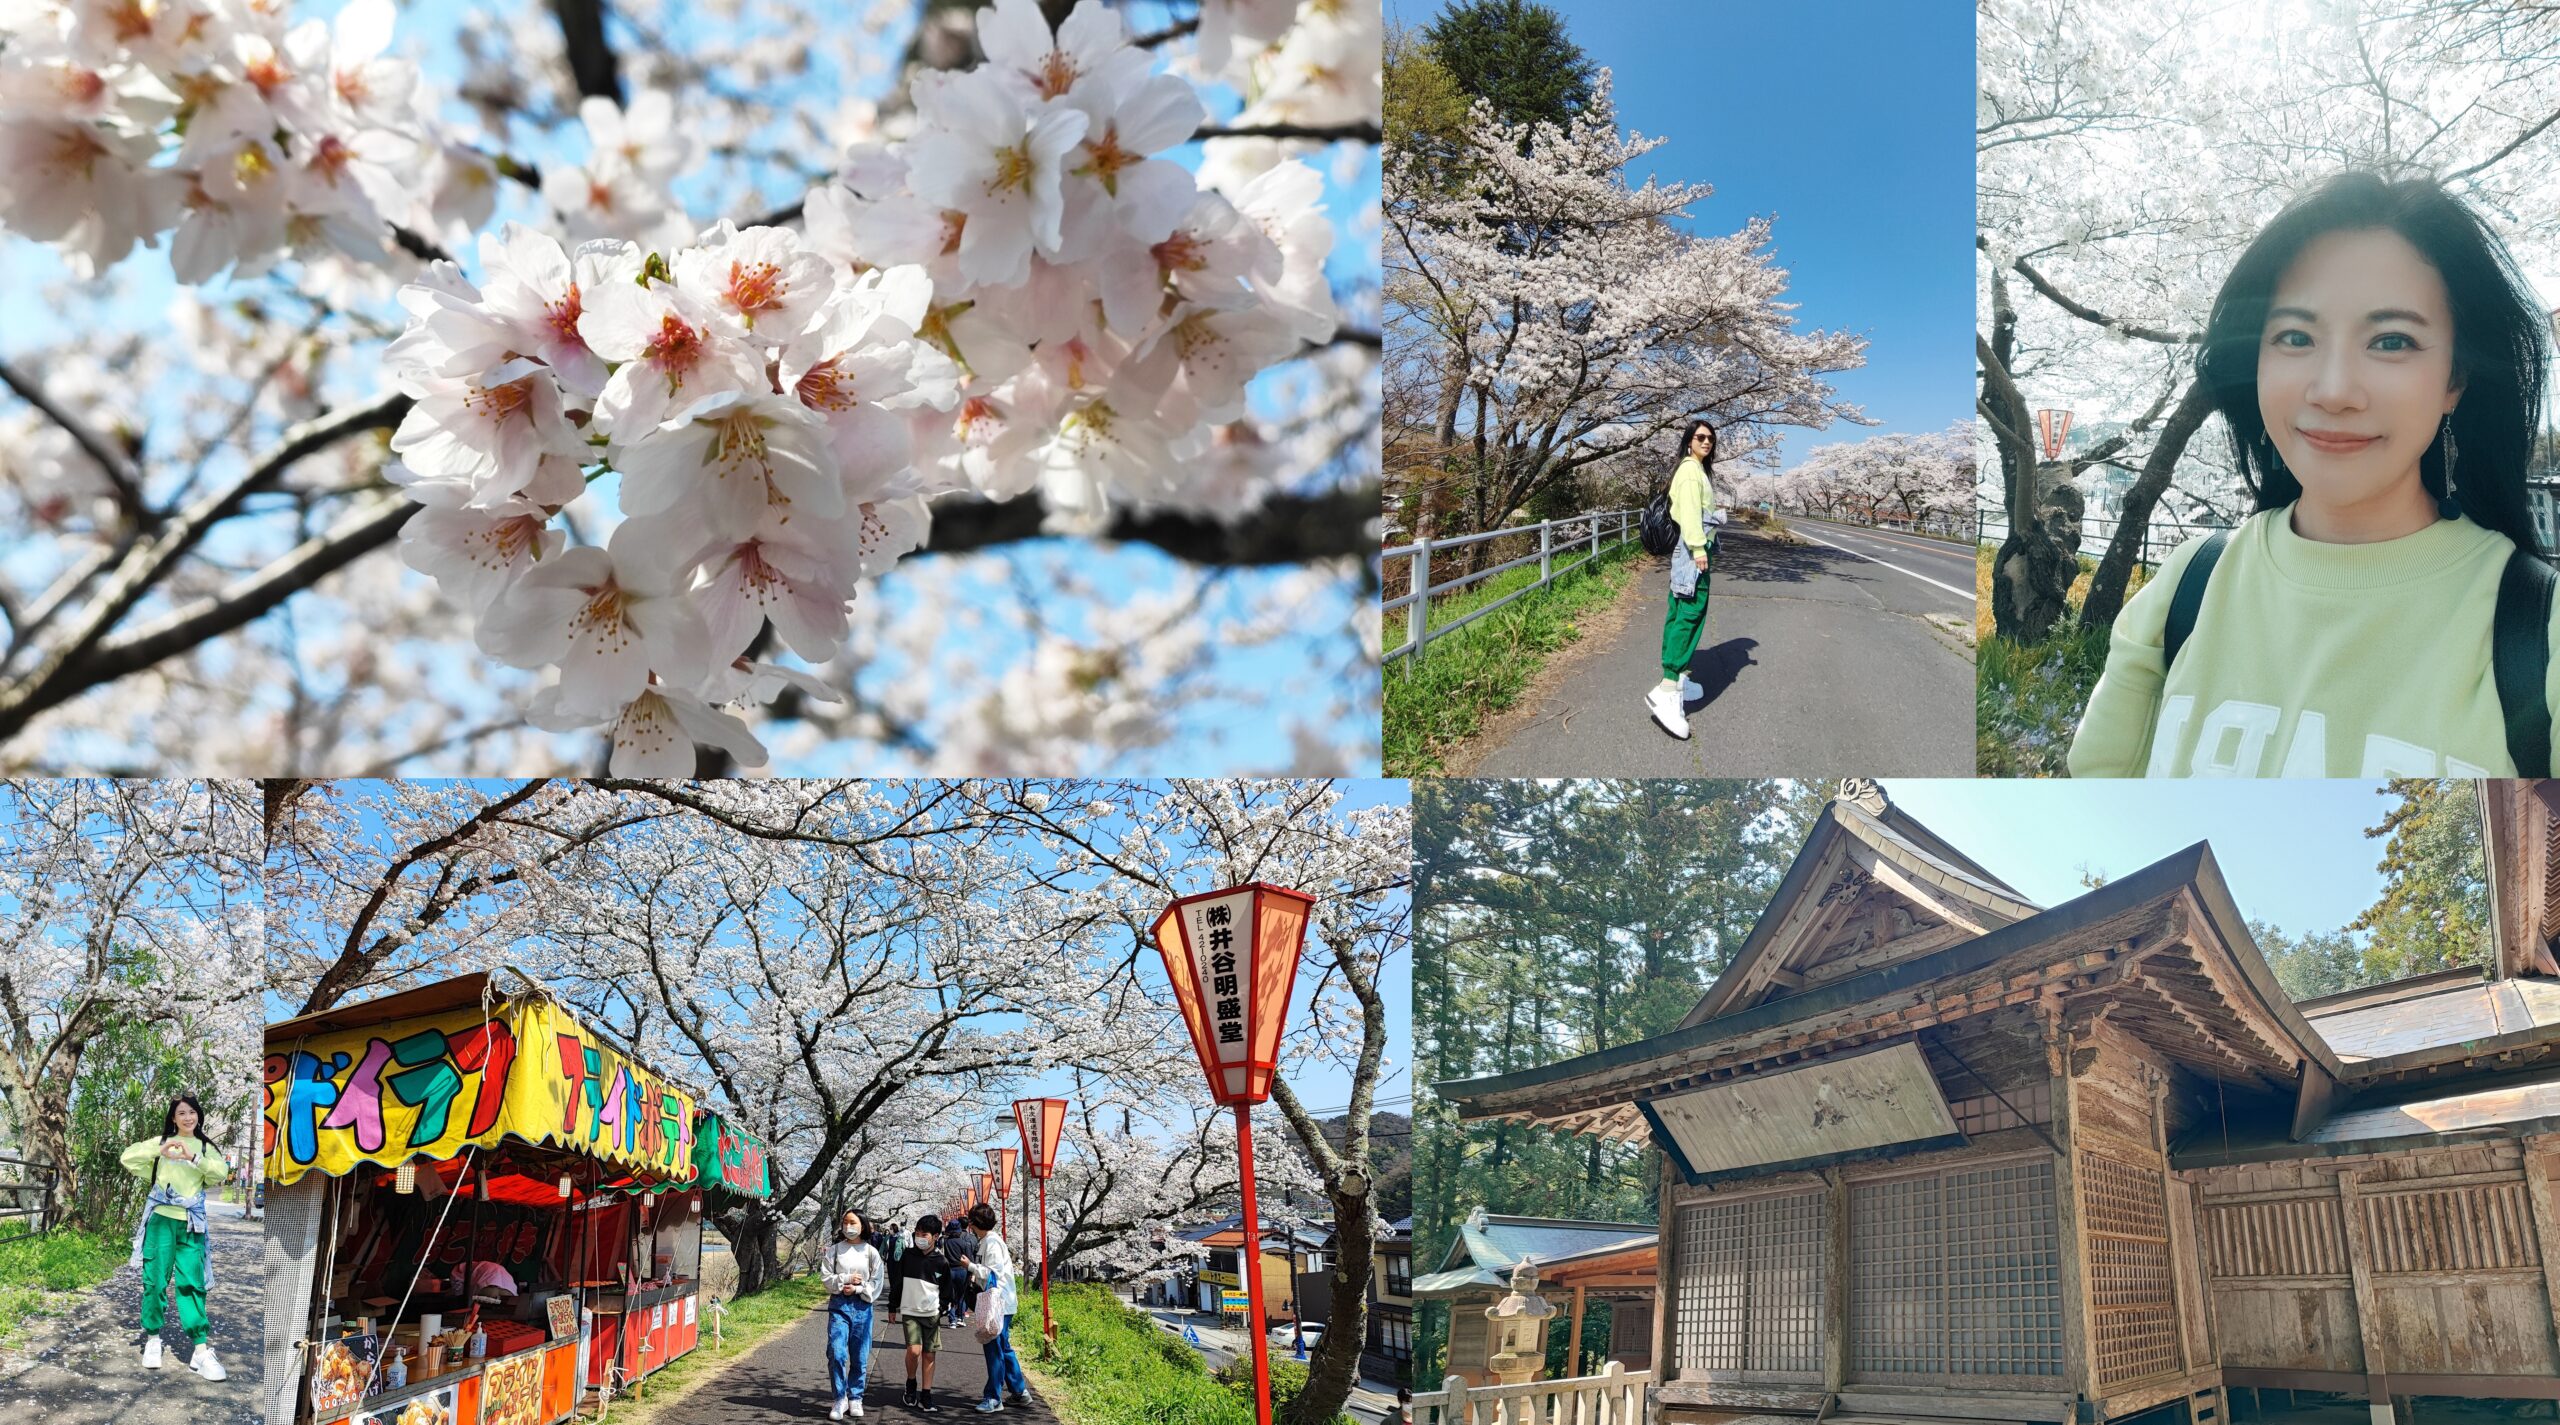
<point>211,124</point>
<point>1021,293</point>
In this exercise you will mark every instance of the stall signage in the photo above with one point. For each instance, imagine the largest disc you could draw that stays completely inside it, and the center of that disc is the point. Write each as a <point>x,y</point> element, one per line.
<point>730,1157</point>
<point>511,1391</point>
<point>432,1086</point>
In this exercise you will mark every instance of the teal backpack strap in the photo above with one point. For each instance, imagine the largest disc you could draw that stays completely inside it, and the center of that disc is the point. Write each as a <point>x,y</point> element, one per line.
<point>2190,597</point>
<point>2520,657</point>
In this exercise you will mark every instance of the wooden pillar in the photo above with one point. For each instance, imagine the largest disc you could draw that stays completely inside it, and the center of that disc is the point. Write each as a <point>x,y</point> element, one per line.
<point>1666,1274</point>
<point>2541,1167</point>
<point>2079,1352</point>
<point>2368,1316</point>
<point>1835,1284</point>
<point>1573,1343</point>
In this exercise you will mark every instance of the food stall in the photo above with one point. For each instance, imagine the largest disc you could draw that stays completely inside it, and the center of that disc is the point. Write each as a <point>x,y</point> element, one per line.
<point>479,1210</point>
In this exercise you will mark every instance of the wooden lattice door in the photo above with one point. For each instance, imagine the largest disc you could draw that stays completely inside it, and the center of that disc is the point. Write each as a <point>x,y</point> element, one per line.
<point>1956,1273</point>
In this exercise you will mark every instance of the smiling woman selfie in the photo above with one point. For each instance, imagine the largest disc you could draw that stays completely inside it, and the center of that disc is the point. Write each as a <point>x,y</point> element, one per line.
<point>2380,365</point>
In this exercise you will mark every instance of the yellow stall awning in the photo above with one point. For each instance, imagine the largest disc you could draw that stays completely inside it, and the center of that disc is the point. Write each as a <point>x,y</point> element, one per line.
<point>431,1085</point>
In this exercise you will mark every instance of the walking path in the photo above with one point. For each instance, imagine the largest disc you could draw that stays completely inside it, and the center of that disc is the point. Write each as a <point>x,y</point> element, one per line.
<point>1849,650</point>
<point>785,1378</point>
<point>88,1370</point>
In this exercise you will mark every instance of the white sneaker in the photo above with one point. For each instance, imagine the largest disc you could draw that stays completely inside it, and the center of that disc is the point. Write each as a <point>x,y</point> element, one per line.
<point>857,1410</point>
<point>151,1353</point>
<point>1664,704</point>
<point>203,1363</point>
<point>1690,692</point>
<point>989,1407</point>
<point>836,1412</point>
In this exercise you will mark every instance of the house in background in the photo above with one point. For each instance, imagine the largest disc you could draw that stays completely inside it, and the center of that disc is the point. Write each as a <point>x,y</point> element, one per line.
<point>1387,1354</point>
<point>1935,1152</point>
<point>1578,1262</point>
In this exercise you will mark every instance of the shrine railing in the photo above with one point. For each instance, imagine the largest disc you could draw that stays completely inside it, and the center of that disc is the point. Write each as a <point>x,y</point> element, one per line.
<point>1613,1397</point>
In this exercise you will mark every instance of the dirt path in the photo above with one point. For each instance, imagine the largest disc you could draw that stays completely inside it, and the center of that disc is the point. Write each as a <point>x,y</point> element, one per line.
<point>87,1369</point>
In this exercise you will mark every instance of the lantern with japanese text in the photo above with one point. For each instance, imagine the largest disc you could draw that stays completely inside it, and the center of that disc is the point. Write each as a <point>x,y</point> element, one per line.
<point>1042,1122</point>
<point>1232,957</point>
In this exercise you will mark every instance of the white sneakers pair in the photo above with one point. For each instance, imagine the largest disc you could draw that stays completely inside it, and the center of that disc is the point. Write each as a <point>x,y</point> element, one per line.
<point>202,1362</point>
<point>1668,706</point>
<point>846,1407</point>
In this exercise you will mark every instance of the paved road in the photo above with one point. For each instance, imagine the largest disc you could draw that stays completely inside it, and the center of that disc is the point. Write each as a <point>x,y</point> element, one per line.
<point>89,1371</point>
<point>1848,653</point>
<point>785,1378</point>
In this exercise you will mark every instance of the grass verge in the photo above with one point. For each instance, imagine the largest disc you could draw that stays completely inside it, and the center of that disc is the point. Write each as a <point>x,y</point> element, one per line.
<point>44,1276</point>
<point>1116,1366</point>
<point>2028,697</point>
<point>1442,697</point>
<point>749,1321</point>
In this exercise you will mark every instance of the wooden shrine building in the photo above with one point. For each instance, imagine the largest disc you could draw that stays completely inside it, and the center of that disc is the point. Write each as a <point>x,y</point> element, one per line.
<point>1935,1152</point>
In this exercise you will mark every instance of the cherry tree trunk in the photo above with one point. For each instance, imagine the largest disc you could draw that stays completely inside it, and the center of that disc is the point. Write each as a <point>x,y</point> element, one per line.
<point>2032,574</point>
<point>755,1241</point>
<point>1335,1365</point>
<point>2106,590</point>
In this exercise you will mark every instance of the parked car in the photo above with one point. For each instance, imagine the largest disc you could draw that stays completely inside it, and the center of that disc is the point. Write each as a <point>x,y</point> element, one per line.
<point>1285,1335</point>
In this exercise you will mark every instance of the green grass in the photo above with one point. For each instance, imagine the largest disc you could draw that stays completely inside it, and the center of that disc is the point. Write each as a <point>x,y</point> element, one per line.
<point>1442,696</point>
<point>44,1276</point>
<point>750,1319</point>
<point>2028,697</point>
<point>1115,1366</point>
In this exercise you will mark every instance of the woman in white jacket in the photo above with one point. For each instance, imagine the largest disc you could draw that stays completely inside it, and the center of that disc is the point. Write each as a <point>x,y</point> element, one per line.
<point>994,1273</point>
<point>853,1275</point>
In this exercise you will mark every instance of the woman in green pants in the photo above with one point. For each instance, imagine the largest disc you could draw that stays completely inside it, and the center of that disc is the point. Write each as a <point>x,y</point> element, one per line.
<point>171,1238</point>
<point>1692,500</point>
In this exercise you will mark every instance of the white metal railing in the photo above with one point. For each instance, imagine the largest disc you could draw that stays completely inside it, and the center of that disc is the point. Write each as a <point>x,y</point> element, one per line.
<point>1613,1397</point>
<point>1554,537</point>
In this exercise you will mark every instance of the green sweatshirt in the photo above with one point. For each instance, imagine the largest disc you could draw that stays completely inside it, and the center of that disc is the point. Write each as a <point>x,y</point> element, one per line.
<point>1692,498</point>
<point>184,1178</point>
<point>2311,660</point>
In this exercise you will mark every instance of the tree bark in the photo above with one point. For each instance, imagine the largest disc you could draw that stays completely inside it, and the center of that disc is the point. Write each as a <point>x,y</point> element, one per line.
<point>755,1242</point>
<point>2106,590</point>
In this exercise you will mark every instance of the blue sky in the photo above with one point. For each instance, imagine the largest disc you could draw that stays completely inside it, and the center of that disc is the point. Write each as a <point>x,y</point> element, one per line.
<point>1851,124</point>
<point>1226,733</point>
<point>2294,852</point>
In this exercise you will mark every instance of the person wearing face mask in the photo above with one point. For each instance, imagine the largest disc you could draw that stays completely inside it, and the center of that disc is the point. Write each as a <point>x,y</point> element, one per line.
<point>918,1275</point>
<point>853,1274</point>
<point>170,1241</point>
<point>2380,365</point>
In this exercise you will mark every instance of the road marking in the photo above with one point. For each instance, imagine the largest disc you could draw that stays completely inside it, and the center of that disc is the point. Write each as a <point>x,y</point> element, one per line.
<point>1966,594</point>
<point>1907,541</point>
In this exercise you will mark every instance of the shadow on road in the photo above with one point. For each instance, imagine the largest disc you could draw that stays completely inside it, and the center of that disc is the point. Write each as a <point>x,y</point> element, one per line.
<point>1758,561</point>
<point>1714,669</point>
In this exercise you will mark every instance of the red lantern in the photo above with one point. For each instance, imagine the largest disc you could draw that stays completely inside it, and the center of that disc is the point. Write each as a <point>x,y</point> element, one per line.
<point>1000,1179</point>
<point>1232,957</point>
<point>1041,1121</point>
<point>2055,428</point>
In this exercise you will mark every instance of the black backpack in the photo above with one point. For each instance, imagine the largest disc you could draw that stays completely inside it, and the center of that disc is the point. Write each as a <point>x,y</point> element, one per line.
<point>1655,528</point>
<point>2519,644</point>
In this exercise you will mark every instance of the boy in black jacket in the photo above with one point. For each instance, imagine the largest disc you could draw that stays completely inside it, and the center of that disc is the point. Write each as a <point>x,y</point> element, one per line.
<point>915,1285</point>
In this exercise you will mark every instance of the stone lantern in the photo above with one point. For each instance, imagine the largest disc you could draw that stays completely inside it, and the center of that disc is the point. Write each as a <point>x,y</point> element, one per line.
<point>1518,1326</point>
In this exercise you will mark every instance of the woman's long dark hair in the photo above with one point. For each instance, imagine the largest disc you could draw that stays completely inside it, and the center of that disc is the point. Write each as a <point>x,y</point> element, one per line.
<point>2501,345</point>
<point>169,1120</point>
<point>1715,443</point>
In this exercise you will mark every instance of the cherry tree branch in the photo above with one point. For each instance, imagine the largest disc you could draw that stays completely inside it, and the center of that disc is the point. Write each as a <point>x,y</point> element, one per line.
<point>1360,132</point>
<point>2085,312</point>
<point>592,62</point>
<point>119,471</point>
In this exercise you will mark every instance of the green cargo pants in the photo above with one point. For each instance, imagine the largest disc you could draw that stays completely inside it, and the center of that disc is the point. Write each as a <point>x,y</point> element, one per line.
<point>1680,627</point>
<point>169,1249</point>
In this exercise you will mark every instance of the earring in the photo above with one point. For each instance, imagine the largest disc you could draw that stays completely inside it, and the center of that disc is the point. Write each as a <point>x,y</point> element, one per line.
<point>2449,507</point>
